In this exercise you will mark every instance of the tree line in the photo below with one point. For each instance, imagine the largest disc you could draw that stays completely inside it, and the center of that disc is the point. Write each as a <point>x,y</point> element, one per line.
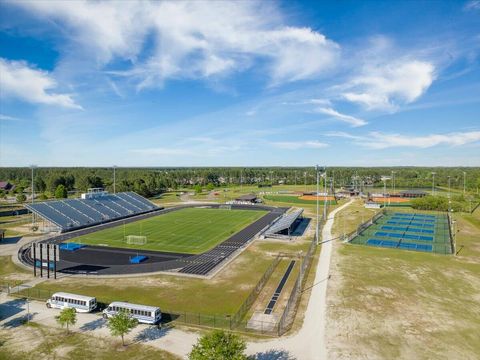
<point>153,181</point>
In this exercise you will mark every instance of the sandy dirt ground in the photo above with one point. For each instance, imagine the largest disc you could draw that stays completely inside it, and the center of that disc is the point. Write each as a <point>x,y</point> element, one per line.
<point>179,342</point>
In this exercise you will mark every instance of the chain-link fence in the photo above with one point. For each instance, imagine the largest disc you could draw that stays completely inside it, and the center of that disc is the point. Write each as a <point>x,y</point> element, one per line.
<point>240,314</point>
<point>286,320</point>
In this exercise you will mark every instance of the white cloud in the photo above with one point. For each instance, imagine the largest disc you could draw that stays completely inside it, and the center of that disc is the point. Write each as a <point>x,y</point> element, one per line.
<point>190,39</point>
<point>355,122</point>
<point>20,81</point>
<point>296,145</point>
<point>4,117</point>
<point>386,86</point>
<point>379,140</point>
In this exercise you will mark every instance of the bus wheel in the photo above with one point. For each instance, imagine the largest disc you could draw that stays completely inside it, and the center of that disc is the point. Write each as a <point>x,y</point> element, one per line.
<point>49,306</point>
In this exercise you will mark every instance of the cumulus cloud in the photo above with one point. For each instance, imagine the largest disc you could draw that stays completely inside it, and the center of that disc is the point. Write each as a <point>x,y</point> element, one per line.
<point>296,145</point>
<point>19,80</point>
<point>379,140</point>
<point>190,39</point>
<point>355,122</point>
<point>387,86</point>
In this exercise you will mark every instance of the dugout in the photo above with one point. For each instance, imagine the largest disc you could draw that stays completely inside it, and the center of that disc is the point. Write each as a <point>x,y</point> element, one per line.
<point>249,198</point>
<point>412,193</point>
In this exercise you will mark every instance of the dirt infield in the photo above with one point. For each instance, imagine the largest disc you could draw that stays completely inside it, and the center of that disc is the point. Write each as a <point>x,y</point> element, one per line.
<point>313,197</point>
<point>391,199</point>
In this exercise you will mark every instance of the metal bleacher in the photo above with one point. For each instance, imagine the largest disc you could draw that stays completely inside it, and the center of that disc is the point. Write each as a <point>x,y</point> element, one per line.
<point>71,214</point>
<point>284,223</point>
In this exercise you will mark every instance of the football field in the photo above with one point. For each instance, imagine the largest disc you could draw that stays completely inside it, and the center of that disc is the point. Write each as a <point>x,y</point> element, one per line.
<point>191,231</point>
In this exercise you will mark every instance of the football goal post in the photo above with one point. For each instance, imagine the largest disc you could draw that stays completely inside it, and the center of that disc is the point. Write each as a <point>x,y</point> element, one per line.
<point>136,240</point>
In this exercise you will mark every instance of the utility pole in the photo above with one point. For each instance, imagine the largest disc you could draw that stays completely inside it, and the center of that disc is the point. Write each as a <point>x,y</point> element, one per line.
<point>305,174</point>
<point>464,182</point>
<point>295,178</point>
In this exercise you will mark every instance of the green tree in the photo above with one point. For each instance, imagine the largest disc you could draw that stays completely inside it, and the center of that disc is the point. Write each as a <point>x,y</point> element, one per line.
<point>197,188</point>
<point>219,345</point>
<point>67,317</point>
<point>121,324</point>
<point>210,186</point>
<point>61,192</point>
<point>21,198</point>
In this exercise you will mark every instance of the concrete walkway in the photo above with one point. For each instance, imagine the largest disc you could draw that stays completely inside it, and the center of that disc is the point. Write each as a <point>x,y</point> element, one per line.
<point>309,342</point>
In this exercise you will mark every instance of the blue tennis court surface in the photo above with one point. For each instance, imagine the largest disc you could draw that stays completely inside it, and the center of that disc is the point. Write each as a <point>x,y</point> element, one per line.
<point>408,231</point>
<point>400,245</point>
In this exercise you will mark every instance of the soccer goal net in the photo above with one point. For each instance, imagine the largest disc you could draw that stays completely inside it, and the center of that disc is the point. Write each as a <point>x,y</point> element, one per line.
<point>136,240</point>
<point>225,207</point>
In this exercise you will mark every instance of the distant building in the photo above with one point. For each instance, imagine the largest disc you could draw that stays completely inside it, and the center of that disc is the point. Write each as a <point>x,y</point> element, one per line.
<point>412,193</point>
<point>5,185</point>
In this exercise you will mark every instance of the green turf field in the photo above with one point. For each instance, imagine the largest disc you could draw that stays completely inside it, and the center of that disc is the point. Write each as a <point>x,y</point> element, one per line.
<point>191,231</point>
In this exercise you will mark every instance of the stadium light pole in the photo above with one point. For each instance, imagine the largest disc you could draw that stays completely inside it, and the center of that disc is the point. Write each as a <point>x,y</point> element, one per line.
<point>464,182</point>
<point>32,167</point>
<point>325,202</point>
<point>114,179</point>
<point>241,179</point>
<point>393,180</point>
<point>317,169</point>
<point>449,186</point>
<point>433,182</point>
<point>33,186</point>
<point>305,175</point>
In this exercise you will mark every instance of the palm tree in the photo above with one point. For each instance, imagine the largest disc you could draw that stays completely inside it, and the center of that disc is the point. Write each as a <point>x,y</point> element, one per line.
<point>68,316</point>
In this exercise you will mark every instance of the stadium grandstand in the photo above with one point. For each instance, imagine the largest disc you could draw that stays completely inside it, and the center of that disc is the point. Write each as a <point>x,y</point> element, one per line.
<point>285,226</point>
<point>93,208</point>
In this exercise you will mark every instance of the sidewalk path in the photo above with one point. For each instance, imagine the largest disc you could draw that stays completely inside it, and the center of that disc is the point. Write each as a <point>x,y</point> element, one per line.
<point>309,342</point>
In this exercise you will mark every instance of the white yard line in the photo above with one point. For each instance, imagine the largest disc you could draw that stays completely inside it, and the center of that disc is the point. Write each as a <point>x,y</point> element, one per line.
<point>308,343</point>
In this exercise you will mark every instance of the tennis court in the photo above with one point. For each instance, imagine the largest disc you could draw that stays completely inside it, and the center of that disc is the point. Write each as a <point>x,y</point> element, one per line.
<point>408,231</point>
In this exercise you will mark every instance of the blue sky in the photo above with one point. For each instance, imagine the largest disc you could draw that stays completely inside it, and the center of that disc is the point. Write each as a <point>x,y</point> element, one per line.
<point>244,83</point>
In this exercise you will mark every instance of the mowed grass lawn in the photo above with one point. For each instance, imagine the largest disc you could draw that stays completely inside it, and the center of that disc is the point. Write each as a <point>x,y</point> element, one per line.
<point>191,231</point>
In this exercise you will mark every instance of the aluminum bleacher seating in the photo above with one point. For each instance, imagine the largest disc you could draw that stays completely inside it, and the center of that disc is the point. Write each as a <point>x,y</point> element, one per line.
<point>71,214</point>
